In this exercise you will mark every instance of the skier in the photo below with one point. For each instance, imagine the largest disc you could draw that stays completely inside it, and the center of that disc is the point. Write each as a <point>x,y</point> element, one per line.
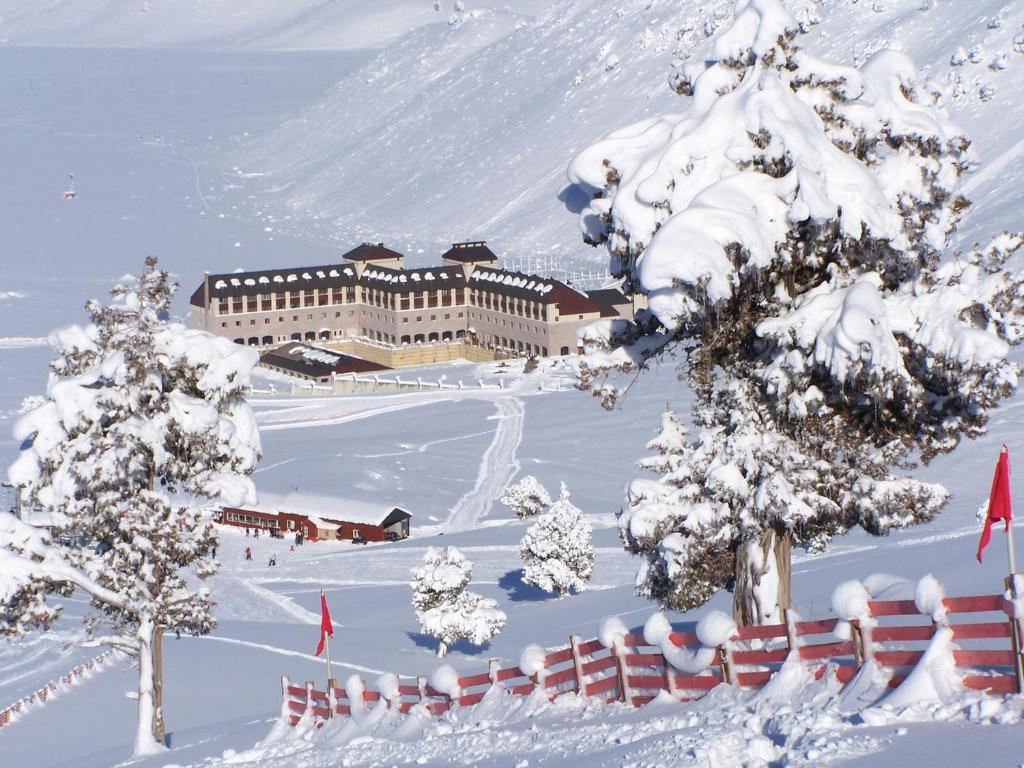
<point>248,553</point>
<point>273,560</point>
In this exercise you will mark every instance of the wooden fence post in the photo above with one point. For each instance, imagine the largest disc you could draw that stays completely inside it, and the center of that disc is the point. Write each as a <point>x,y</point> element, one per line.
<point>421,683</point>
<point>792,640</point>
<point>332,697</point>
<point>858,651</point>
<point>1015,634</point>
<point>577,665</point>
<point>309,697</point>
<point>622,672</point>
<point>670,677</point>
<point>725,664</point>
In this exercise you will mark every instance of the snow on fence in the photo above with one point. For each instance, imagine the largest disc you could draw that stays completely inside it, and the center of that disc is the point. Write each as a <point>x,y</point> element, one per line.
<point>46,693</point>
<point>636,666</point>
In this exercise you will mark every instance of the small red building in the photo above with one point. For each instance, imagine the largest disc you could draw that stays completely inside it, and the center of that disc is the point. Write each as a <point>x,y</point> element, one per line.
<point>320,518</point>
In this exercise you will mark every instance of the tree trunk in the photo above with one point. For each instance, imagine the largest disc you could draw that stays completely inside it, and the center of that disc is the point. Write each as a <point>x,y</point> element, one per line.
<point>763,571</point>
<point>158,686</point>
<point>146,742</point>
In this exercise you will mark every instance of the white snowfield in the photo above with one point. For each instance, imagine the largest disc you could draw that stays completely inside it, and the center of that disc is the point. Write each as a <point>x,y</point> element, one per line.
<point>218,159</point>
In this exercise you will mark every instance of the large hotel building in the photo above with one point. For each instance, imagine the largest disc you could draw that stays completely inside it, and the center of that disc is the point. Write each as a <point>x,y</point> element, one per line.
<point>372,307</point>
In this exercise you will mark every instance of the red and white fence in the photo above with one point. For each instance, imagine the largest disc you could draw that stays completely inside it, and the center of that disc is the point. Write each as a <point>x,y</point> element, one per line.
<point>984,628</point>
<point>46,693</point>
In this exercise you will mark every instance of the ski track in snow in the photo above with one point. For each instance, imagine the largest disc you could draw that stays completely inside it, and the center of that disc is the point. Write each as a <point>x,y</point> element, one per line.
<point>421,449</point>
<point>286,604</point>
<point>499,465</point>
<point>21,342</point>
<point>286,652</point>
<point>328,420</point>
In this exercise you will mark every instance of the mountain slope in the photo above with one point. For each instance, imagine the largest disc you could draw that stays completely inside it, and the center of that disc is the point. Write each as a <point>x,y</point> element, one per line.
<point>466,131</point>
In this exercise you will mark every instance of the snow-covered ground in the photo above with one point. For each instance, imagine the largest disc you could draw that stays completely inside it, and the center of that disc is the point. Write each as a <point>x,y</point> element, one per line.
<point>448,132</point>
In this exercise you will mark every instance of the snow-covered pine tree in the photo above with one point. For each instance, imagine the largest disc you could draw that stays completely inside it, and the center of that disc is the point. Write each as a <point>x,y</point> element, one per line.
<point>557,550</point>
<point>527,497</point>
<point>143,422</point>
<point>445,608</point>
<point>668,446</point>
<point>787,228</point>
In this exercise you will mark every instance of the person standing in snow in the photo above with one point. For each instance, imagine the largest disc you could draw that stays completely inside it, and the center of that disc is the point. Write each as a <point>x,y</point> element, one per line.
<point>248,553</point>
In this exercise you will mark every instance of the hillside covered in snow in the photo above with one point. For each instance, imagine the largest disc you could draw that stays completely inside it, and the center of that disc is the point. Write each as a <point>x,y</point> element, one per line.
<point>464,131</point>
<point>220,138</point>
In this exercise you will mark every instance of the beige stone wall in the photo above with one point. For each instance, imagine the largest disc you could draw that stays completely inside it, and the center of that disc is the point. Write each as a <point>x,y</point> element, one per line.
<point>416,354</point>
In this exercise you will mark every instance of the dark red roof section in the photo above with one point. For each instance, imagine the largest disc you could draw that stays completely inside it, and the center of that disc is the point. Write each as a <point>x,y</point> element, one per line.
<point>371,252</point>
<point>570,302</point>
<point>199,296</point>
<point>469,252</point>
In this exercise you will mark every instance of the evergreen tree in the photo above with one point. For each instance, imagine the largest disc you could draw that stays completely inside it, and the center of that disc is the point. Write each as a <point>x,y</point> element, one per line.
<point>143,421</point>
<point>527,497</point>
<point>787,228</point>
<point>445,608</point>
<point>557,550</point>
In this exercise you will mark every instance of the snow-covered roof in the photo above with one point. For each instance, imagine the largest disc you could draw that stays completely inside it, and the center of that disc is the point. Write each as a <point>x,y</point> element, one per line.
<point>427,278</point>
<point>241,283</point>
<point>325,508</point>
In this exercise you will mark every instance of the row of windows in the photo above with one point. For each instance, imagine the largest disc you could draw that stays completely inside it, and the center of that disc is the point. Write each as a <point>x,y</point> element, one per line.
<point>386,338</point>
<point>510,306</point>
<point>252,520</point>
<point>420,300</point>
<point>268,302</point>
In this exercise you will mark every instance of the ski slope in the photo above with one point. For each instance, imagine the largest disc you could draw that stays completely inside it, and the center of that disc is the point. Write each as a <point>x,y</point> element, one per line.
<point>211,147</point>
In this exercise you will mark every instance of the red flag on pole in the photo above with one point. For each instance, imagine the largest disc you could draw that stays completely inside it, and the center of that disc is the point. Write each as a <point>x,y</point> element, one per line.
<point>326,628</point>
<point>998,500</point>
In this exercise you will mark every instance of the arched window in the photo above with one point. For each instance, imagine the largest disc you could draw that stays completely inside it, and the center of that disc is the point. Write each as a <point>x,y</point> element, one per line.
<point>433,336</point>
<point>564,351</point>
<point>268,340</point>
<point>406,339</point>
<point>310,335</point>
<point>296,336</point>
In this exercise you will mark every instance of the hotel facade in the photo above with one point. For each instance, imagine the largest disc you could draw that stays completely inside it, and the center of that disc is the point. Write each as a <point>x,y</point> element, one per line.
<point>371,306</point>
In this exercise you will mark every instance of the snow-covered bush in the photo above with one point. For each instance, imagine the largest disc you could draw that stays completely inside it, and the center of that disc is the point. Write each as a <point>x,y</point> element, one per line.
<point>143,421</point>
<point>445,608</point>
<point>557,550</point>
<point>787,228</point>
<point>527,497</point>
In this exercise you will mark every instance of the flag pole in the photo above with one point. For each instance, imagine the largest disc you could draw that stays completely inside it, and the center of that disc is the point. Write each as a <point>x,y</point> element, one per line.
<point>327,646</point>
<point>1010,548</point>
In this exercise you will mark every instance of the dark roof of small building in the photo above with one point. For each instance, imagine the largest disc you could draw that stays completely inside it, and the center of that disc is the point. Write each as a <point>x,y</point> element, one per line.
<point>469,252</point>
<point>272,280</point>
<point>405,280</point>
<point>397,515</point>
<point>608,299</point>
<point>371,252</point>
<point>307,360</point>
